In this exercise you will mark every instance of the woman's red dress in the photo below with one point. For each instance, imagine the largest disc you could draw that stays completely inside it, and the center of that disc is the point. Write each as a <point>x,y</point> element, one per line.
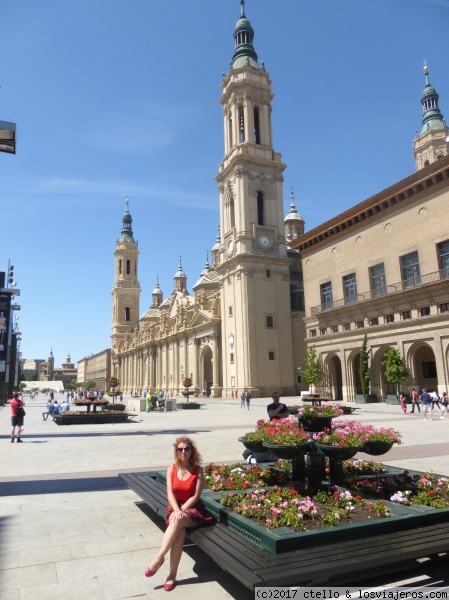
<point>182,491</point>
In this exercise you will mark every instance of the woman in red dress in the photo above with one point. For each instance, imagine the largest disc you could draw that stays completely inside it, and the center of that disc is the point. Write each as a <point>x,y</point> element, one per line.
<point>185,509</point>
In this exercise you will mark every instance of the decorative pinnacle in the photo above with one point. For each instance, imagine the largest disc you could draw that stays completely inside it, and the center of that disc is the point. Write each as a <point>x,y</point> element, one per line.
<point>127,202</point>
<point>242,8</point>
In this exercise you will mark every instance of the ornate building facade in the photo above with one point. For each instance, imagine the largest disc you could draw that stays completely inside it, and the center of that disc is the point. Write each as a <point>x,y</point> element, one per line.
<point>242,328</point>
<point>381,268</point>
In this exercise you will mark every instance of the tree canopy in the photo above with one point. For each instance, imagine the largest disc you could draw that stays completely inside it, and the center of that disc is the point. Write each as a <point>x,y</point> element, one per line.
<point>313,369</point>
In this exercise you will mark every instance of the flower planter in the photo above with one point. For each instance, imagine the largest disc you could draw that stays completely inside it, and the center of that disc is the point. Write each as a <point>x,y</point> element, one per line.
<point>256,447</point>
<point>338,453</point>
<point>376,448</point>
<point>283,539</point>
<point>286,452</point>
<point>190,405</point>
<point>91,418</point>
<point>366,399</point>
<point>392,399</point>
<point>315,424</point>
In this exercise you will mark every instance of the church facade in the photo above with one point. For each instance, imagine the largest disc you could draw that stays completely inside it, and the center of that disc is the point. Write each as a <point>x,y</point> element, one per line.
<point>242,328</point>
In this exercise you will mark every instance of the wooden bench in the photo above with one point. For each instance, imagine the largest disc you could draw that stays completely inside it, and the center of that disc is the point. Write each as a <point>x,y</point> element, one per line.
<point>338,563</point>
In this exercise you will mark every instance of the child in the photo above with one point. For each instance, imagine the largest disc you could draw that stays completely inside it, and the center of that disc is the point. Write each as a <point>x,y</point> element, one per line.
<point>242,401</point>
<point>403,401</point>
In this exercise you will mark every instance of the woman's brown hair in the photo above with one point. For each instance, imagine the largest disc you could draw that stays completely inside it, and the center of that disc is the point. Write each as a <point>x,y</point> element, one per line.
<point>195,457</point>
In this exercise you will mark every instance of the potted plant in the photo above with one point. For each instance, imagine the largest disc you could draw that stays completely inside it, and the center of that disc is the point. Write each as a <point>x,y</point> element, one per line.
<point>312,373</point>
<point>316,418</point>
<point>379,440</point>
<point>364,375</point>
<point>279,433</point>
<point>395,372</point>
<point>187,382</point>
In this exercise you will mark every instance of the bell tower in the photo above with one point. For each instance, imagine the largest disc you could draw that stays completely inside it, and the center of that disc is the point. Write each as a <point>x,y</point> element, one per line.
<point>255,293</point>
<point>432,143</point>
<point>126,289</point>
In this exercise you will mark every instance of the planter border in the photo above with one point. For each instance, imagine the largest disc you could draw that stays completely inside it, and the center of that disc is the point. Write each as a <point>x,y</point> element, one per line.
<point>90,418</point>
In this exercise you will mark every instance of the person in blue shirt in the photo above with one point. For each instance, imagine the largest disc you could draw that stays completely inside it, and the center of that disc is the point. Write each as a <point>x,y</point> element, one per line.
<point>426,404</point>
<point>64,406</point>
<point>50,410</point>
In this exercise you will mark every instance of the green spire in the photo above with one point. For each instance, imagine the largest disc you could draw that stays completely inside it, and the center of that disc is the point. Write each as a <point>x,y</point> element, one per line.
<point>432,117</point>
<point>244,53</point>
<point>127,231</point>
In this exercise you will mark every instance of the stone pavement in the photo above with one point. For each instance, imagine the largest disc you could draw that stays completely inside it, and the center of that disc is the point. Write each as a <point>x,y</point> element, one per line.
<point>69,529</point>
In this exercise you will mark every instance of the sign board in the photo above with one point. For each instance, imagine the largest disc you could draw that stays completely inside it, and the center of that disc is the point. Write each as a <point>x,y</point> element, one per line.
<point>7,137</point>
<point>5,310</point>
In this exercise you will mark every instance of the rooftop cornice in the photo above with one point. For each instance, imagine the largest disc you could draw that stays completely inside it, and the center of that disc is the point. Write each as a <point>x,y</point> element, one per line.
<point>414,187</point>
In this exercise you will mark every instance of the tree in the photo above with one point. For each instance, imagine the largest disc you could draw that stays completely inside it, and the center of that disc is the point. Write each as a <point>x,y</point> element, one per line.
<point>113,382</point>
<point>364,367</point>
<point>395,367</point>
<point>87,385</point>
<point>313,369</point>
<point>187,383</point>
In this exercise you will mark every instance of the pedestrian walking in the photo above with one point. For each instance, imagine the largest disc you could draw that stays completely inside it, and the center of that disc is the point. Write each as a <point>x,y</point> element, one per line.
<point>248,400</point>
<point>242,401</point>
<point>403,402</point>
<point>415,400</point>
<point>444,405</point>
<point>426,403</point>
<point>435,400</point>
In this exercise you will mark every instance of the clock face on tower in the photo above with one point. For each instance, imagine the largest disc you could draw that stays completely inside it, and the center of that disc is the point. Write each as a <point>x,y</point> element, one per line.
<point>264,241</point>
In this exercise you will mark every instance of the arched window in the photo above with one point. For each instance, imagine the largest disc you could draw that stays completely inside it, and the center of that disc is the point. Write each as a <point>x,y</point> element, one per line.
<point>128,267</point>
<point>120,267</point>
<point>426,163</point>
<point>230,133</point>
<point>127,314</point>
<point>256,126</point>
<point>260,208</point>
<point>231,214</point>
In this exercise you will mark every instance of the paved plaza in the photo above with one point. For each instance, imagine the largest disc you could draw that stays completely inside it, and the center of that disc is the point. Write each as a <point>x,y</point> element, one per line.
<point>69,529</point>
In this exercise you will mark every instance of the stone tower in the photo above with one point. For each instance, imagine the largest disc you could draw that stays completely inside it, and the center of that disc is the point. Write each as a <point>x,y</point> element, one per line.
<point>157,296</point>
<point>255,294</point>
<point>432,142</point>
<point>294,223</point>
<point>126,289</point>
<point>50,366</point>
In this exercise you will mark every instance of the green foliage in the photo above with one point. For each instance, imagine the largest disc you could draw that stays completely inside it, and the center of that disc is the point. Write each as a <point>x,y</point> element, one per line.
<point>313,369</point>
<point>364,367</point>
<point>22,385</point>
<point>395,367</point>
<point>88,385</point>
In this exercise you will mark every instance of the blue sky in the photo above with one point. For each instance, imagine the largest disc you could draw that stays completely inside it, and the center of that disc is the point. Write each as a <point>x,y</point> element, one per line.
<point>118,98</point>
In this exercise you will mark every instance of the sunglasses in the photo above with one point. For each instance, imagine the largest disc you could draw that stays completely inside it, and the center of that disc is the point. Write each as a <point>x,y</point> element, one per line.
<point>186,449</point>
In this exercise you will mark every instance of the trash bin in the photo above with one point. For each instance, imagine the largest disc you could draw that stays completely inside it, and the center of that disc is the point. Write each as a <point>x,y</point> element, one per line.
<point>170,404</point>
